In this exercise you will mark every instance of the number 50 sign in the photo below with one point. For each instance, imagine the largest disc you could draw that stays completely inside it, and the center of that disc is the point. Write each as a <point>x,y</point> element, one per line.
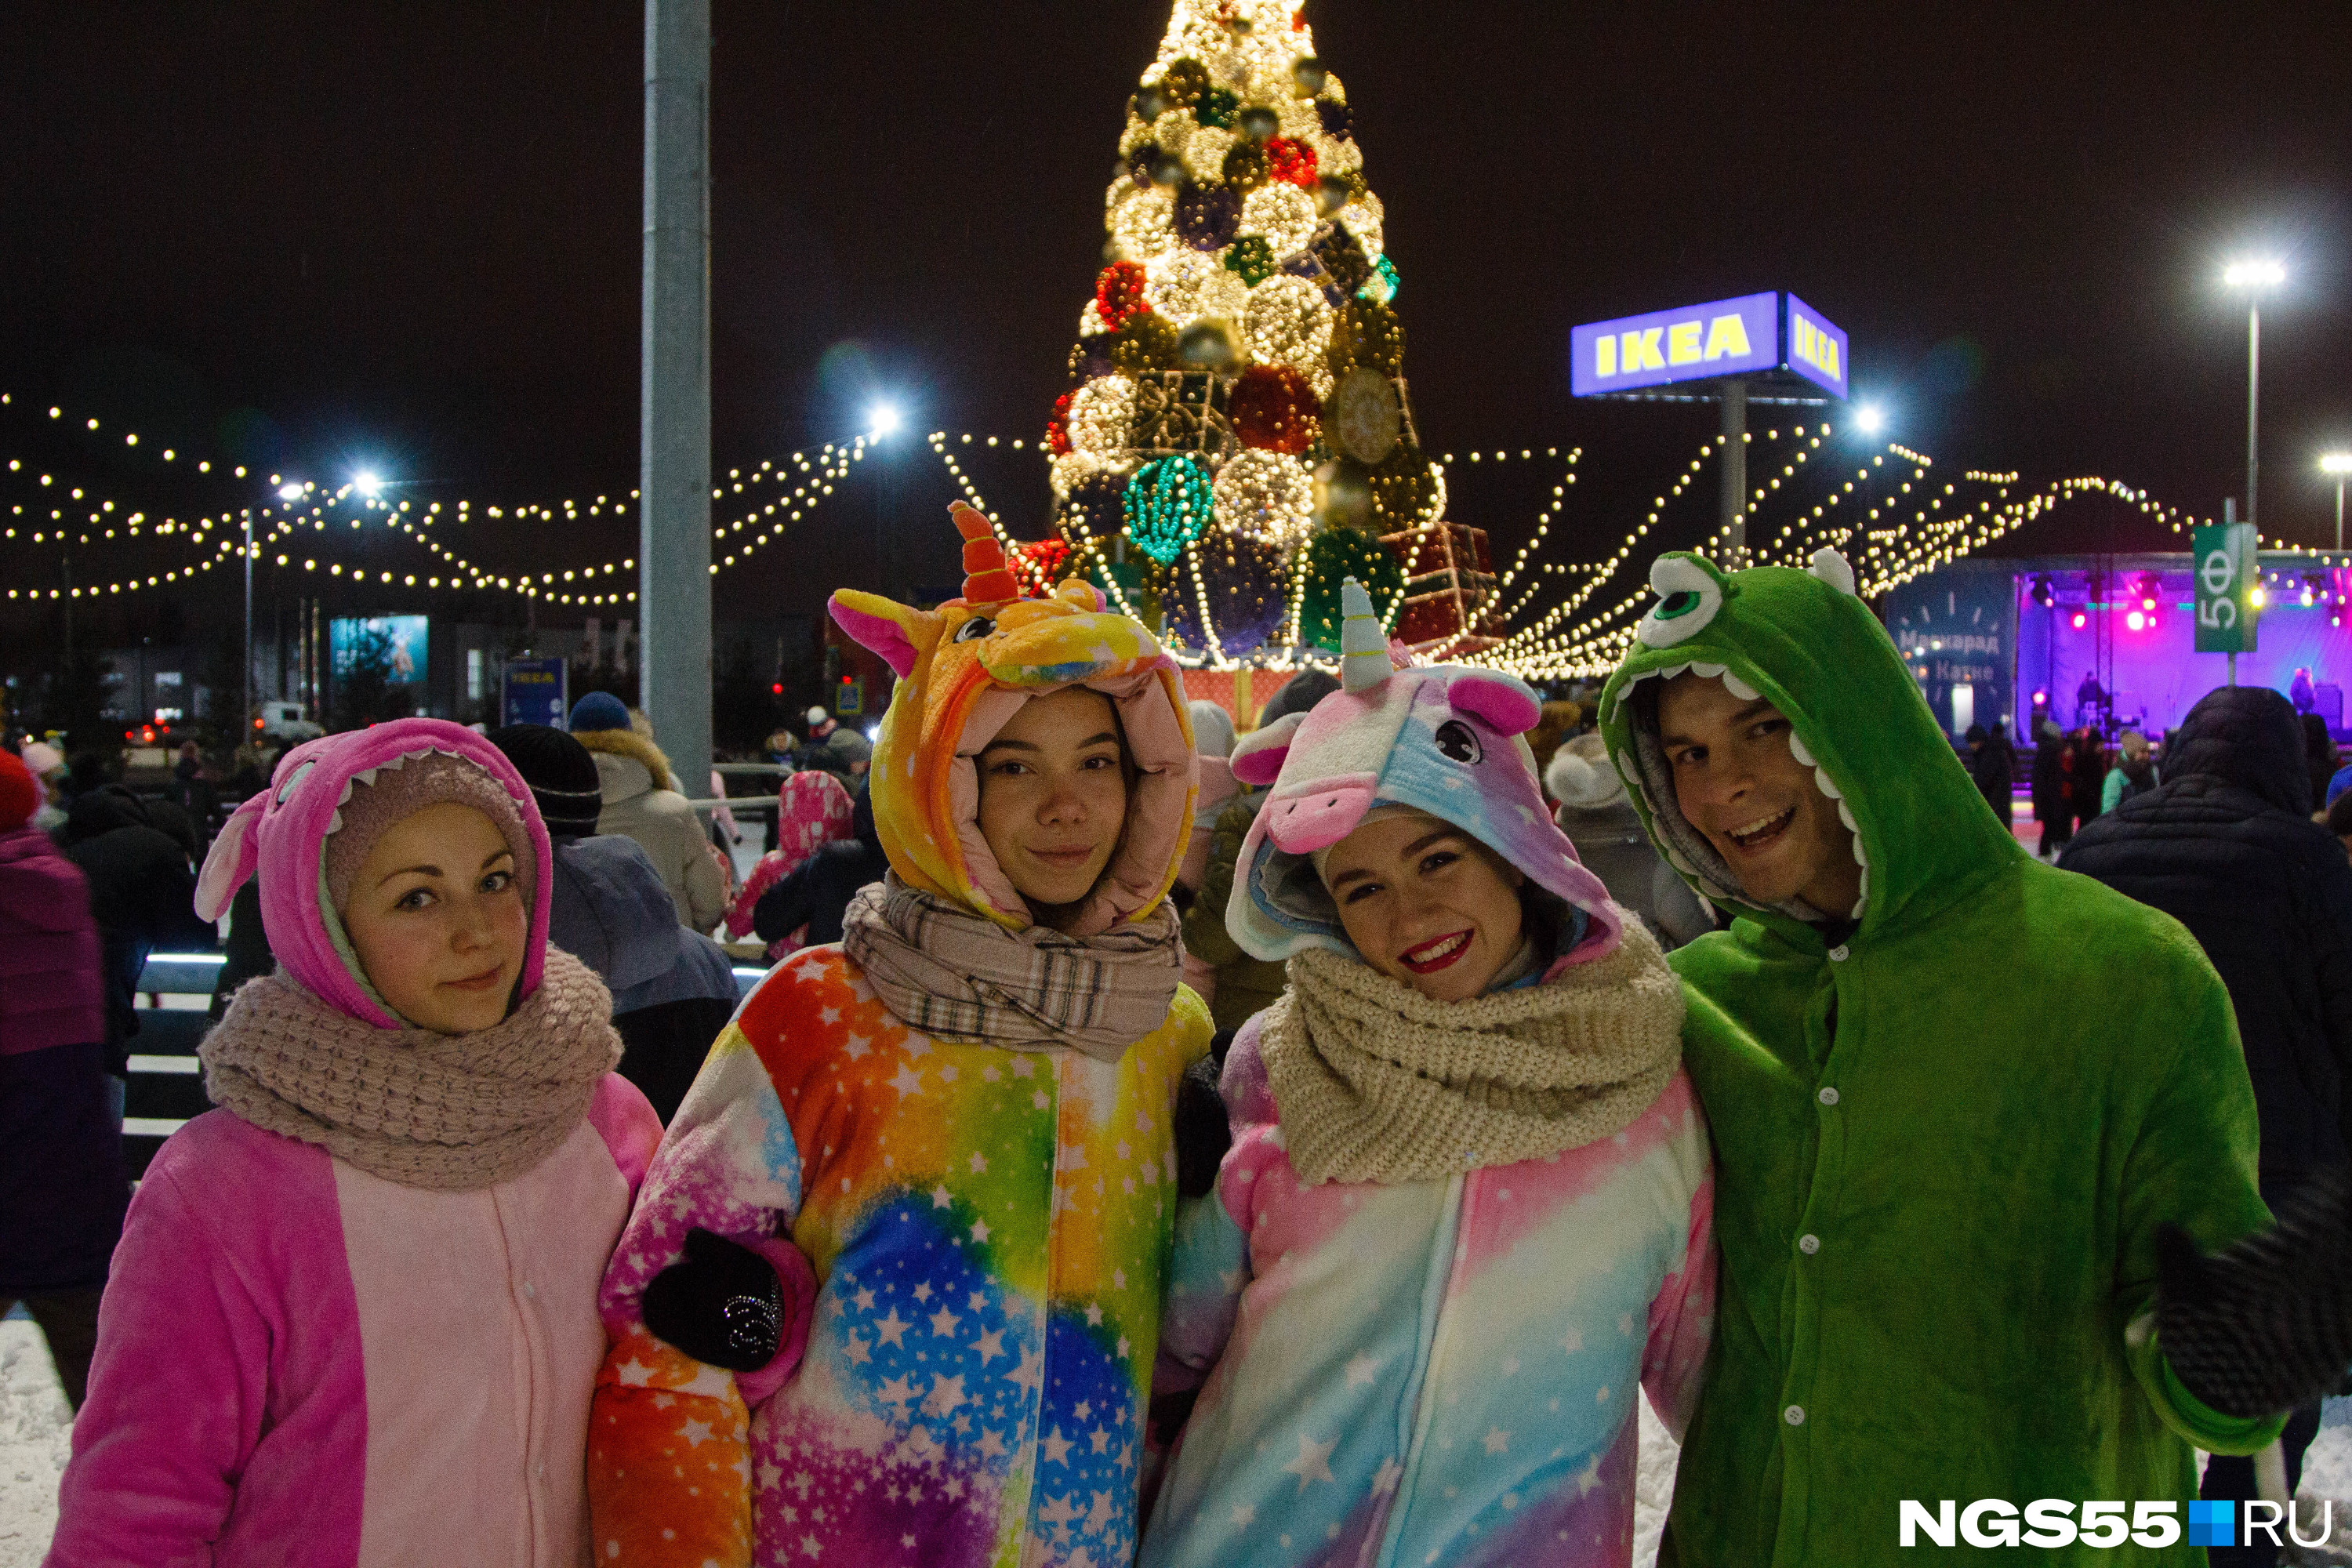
<point>2225,576</point>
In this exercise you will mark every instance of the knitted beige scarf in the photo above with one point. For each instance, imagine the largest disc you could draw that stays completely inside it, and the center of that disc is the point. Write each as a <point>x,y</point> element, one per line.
<point>1375,1082</point>
<point>448,1113</point>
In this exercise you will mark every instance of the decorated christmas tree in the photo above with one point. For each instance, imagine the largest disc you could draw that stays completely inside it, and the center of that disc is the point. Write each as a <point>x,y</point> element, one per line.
<point>1238,437</point>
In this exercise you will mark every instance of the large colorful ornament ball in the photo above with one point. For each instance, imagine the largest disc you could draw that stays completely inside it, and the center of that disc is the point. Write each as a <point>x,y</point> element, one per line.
<point>1245,165</point>
<point>1057,428</point>
<point>1273,407</point>
<point>1118,292</point>
<point>1208,217</point>
<point>1168,506</point>
<point>1404,489</point>
<point>1247,597</point>
<point>1336,556</point>
<point>1292,162</point>
<point>1100,415</point>
<point>1147,342</point>
<point>1185,81</point>
<point>1251,260</point>
<point>1367,334</point>
<point>1265,496</point>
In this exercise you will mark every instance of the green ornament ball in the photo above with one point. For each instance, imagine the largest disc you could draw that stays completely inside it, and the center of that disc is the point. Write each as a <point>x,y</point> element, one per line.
<point>1252,258</point>
<point>1335,555</point>
<point>1217,107</point>
<point>1147,341</point>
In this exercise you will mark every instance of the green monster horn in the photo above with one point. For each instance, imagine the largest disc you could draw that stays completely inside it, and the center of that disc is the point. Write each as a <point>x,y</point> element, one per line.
<point>1363,651</point>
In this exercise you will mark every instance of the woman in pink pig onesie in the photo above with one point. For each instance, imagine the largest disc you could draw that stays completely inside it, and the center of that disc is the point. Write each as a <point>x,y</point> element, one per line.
<point>353,1320</point>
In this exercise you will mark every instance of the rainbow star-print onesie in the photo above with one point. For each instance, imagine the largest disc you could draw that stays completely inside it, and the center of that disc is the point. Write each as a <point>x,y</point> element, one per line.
<point>989,1228</point>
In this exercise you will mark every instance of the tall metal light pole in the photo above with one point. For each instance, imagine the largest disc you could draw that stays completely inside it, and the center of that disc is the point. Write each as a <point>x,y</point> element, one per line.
<point>2253,277</point>
<point>674,414</point>
<point>245,725</point>
<point>2338,464</point>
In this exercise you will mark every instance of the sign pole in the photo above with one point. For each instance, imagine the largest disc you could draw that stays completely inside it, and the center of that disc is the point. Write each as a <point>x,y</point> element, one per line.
<point>1735,468</point>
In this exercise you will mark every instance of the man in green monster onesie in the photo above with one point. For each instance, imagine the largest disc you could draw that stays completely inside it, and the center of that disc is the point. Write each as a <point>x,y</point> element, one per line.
<point>1968,1112</point>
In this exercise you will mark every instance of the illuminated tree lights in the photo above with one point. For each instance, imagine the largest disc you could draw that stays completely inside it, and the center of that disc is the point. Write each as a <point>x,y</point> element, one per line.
<point>1246,274</point>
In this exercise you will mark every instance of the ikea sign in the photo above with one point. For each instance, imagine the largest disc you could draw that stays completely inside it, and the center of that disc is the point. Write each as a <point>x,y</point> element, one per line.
<point>1752,335</point>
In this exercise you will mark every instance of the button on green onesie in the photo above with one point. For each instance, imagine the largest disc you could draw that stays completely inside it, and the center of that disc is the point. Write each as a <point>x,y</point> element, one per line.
<point>1944,1144</point>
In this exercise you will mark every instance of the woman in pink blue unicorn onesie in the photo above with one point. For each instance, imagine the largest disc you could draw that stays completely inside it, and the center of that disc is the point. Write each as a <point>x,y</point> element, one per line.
<point>1466,1209</point>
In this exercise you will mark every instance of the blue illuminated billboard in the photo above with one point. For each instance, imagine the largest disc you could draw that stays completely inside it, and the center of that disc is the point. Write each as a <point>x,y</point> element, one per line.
<point>1745,336</point>
<point>394,643</point>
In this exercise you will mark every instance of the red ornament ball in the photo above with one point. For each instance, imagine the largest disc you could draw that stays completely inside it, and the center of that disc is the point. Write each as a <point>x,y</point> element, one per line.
<point>1273,407</point>
<point>1058,428</point>
<point>1118,292</point>
<point>1291,162</point>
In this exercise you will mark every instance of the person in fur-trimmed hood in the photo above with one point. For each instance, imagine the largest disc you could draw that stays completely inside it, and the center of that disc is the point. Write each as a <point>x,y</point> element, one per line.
<point>1464,1218</point>
<point>642,801</point>
<point>352,1319</point>
<point>962,1114</point>
<point>1960,1218</point>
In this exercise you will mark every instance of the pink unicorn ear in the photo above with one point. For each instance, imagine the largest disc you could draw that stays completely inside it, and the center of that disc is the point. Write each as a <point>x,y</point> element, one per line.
<point>1257,756</point>
<point>1508,706</point>
<point>234,855</point>
<point>900,635</point>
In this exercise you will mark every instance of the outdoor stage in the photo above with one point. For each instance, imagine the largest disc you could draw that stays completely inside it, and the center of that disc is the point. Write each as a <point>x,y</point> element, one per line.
<point>1989,639</point>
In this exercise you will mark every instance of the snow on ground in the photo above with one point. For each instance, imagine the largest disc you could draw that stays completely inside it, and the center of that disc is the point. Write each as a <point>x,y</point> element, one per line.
<point>33,1431</point>
<point>33,1434</point>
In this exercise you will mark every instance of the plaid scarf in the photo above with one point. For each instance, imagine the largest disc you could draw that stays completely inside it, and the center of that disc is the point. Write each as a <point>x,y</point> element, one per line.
<point>957,975</point>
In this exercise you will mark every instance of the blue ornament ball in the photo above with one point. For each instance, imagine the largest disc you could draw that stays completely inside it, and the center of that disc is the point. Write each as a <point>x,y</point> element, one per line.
<point>1246,591</point>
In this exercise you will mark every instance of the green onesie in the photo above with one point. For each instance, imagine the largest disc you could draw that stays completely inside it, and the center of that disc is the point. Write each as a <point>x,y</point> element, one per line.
<point>1946,1129</point>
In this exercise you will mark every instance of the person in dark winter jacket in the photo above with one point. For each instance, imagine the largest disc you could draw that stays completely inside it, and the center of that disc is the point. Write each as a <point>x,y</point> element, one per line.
<point>142,893</point>
<point>2226,846</point>
<point>2319,747</point>
<point>2053,800</point>
<point>817,893</point>
<point>1989,769</point>
<point>2088,780</point>
<point>62,1186</point>
<point>673,989</point>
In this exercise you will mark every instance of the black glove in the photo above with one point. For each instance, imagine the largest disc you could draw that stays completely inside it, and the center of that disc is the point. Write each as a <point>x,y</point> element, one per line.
<point>1202,1132</point>
<point>722,1305</point>
<point>2264,1324</point>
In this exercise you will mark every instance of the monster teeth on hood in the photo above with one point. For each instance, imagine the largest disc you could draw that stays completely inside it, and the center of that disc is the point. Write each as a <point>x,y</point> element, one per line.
<point>1712,671</point>
<point>1629,770</point>
<point>1672,670</point>
<point>1845,815</point>
<point>1860,859</point>
<point>1680,862</point>
<point>1738,687</point>
<point>1822,778</point>
<point>1797,749</point>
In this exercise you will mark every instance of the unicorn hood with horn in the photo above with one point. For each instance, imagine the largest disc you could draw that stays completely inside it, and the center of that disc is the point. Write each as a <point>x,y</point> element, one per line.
<point>964,669</point>
<point>1447,739</point>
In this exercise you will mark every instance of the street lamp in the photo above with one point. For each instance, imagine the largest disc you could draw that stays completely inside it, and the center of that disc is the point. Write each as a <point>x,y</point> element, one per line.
<point>2253,277</point>
<point>2338,464</point>
<point>367,483</point>
<point>1870,419</point>
<point>883,418</point>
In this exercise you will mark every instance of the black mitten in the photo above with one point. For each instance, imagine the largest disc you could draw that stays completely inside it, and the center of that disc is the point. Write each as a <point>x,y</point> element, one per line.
<point>1202,1132</point>
<point>2264,1324</point>
<point>722,1305</point>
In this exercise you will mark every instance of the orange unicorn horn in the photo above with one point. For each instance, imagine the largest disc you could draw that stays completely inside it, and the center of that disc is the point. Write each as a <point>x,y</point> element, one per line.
<point>985,579</point>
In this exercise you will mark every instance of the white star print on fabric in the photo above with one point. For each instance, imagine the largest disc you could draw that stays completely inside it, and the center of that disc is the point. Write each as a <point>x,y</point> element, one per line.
<point>906,1082</point>
<point>1314,1461</point>
<point>1361,1369</point>
<point>893,1329</point>
<point>1498,1440</point>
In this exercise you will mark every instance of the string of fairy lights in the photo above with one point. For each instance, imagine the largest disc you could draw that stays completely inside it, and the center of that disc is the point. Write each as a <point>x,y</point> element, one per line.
<point>1894,519</point>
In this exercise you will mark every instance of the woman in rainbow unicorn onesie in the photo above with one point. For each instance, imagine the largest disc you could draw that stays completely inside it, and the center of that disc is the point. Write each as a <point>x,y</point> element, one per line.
<point>1466,1209</point>
<point>961,1115</point>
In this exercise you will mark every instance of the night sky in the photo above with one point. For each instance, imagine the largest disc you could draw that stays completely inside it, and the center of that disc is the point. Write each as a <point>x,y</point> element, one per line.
<point>311,237</point>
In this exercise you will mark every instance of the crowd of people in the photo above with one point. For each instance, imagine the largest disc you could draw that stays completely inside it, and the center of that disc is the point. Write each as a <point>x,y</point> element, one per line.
<point>1163,1140</point>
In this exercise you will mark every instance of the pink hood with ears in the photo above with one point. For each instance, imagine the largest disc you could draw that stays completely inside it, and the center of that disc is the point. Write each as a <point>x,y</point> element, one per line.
<point>282,832</point>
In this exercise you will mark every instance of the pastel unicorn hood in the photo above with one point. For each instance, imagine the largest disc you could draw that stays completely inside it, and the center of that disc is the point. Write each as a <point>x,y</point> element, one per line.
<point>964,669</point>
<point>1447,739</point>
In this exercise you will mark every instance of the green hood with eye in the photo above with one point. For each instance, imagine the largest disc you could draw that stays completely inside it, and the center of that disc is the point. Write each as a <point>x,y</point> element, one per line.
<point>1803,641</point>
<point>1946,1135</point>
